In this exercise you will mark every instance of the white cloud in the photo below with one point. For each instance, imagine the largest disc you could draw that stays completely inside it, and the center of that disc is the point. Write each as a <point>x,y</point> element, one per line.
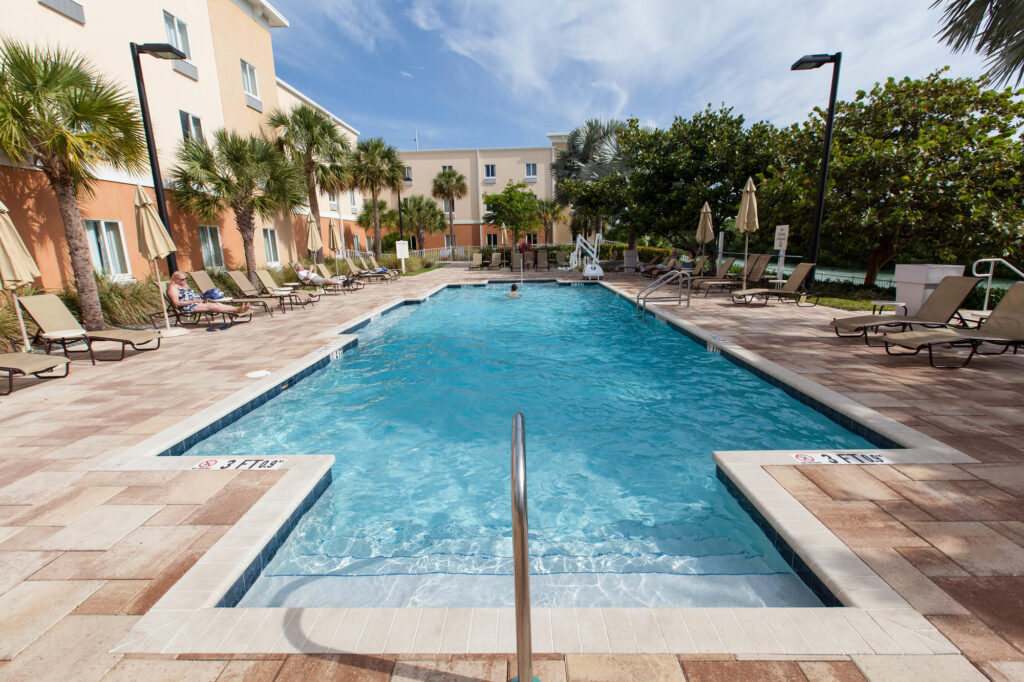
<point>405,74</point>
<point>330,27</point>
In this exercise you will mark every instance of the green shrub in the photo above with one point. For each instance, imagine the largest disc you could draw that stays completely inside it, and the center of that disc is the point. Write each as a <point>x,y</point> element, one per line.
<point>10,330</point>
<point>124,305</point>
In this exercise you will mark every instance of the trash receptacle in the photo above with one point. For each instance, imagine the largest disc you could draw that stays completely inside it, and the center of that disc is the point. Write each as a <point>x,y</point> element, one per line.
<point>915,283</point>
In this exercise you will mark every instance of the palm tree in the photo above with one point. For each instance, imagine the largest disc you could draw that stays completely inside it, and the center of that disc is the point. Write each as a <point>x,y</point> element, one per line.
<point>450,185</point>
<point>592,152</point>
<point>549,211</point>
<point>312,141</point>
<point>60,116</point>
<point>388,217</point>
<point>249,175</point>
<point>994,27</point>
<point>375,167</point>
<point>423,216</point>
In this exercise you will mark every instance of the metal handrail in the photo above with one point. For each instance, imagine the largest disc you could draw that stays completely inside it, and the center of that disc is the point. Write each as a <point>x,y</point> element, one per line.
<point>521,550</point>
<point>992,263</point>
<point>645,294</point>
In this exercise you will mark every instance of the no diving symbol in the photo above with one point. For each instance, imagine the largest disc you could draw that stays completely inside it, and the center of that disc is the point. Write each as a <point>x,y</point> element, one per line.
<point>804,458</point>
<point>206,464</point>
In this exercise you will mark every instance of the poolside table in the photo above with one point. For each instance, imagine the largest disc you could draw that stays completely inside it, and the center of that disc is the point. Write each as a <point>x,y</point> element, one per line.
<point>879,306</point>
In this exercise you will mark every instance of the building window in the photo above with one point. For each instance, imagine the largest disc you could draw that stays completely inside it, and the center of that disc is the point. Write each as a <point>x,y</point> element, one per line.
<point>270,244</point>
<point>531,172</point>
<point>444,168</point>
<point>492,239</point>
<point>532,239</point>
<point>490,173</point>
<point>355,242</point>
<point>177,33</point>
<point>352,201</point>
<point>446,206</point>
<point>332,201</point>
<point>106,244</point>
<point>408,175</point>
<point>191,126</point>
<point>250,85</point>
<point>209,241</point>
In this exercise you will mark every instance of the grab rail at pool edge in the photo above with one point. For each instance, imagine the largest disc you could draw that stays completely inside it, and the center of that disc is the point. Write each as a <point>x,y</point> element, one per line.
<point>645,294</point>
<point>521,551</point>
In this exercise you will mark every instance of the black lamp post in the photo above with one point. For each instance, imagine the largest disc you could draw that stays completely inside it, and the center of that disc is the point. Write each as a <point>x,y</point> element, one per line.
<point>805,63</point>
<point>160,51</point>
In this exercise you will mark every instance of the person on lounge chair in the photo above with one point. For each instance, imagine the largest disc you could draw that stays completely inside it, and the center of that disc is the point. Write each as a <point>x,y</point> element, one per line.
<point>307,276</point>
<point>183,298</point>
<point>663,267</point>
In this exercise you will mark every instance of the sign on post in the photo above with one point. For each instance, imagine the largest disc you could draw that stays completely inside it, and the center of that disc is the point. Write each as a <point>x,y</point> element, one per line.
<point>402,252</point>
<point>781,239</point>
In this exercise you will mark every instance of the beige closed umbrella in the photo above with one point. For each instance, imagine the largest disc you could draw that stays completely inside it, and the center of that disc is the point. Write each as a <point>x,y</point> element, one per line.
<point>746,221</point>
<point>705,233</point>
<point>314,242</point>
<point>334,242</point>
<point>17,268</point>
<point>154,243</point>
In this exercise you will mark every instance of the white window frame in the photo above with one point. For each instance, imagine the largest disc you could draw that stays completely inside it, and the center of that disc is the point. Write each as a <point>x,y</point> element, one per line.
<point>408,175</point>
<point>444,206</point>
<point>355,243</point>
<point>175,38</point>
<point>492,240</point>
<point>352,202</point>
<point>214,229</point>
<point>193,122</point>
<point>531,178</point>
<point>332,201</point>
<point>104,252</point>
<point>268,234</point>
<point>250,79</point>
<point>490,173</point>
<point>444,167</point>
<point>531,238</point>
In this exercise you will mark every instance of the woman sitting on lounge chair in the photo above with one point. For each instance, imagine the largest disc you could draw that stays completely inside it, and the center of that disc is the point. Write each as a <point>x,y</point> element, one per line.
<point>662,267</point>
<point>306,276</point>
<point>185,300</point>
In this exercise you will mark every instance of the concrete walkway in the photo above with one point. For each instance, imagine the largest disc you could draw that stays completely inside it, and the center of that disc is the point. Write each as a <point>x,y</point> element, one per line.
<point>85,551</point>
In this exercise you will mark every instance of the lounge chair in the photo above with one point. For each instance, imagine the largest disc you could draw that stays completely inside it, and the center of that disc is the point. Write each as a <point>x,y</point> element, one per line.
<point>196,317</point>
<point>204,283</point>
<point>793,289</point>
<point>936,311</point>
<point>755,272</point>
<point>1003,327</point>
<point>365,275</point>
<point>698,266</point>
<point>477,263</point>
<point>542,260</point>
<point>378,270</point>
<point>57,325</point>
<point>497,260</point>
<point>393,274</point>
<point>560,260</point>
<point>249,291</point>
<point>23,364</point>
<point>658,272</point>
<point>303,298</point>
<point>721,273</point>
<point>517,261</point>
<point>351,283</point>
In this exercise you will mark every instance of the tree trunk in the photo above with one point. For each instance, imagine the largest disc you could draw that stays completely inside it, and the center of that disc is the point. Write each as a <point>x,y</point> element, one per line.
<point>882,254</point>
<point>246,225</point>
<point>314,208</point>
<point>451,225</point>
<point>632,242</point>
<point>421,237</point>
<point>377,250</point>
<point>78,249</point>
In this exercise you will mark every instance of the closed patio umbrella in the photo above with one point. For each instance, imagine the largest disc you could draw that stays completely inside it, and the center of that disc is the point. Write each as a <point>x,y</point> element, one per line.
<point>154,243</point>
<point>746,221</point>
<point>705,233</point>
<point>334,242</point>
<point>17,269</point>
<point>314,242</point>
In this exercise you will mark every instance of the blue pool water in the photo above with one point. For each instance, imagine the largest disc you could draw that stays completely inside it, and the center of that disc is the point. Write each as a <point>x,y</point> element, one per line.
<point>622,416</point>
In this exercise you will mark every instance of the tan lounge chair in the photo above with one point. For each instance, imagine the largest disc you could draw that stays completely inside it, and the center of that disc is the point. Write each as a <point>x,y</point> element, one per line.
<point>393,274</point>
<point>936,311</point>
<point>303,298</point>
<point>561,260</point>
<point>23,364</point>
<point>793,289</point>
<point>542,260</point>
<point>383,272</point>
<point>363,273</point>
<point>517,261</point>
<point>1003,327</point>
<point>656,271</point>
<point>351,283</point>
<point>204,283</point>
<point>755,272</point>
<point>249,291</point>
<point>57,325</point>
<point>721,273</point>
<point>477,262</point>
<point>497,260</point>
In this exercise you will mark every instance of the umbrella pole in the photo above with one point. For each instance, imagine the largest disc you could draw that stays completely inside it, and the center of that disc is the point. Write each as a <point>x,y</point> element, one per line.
<point>746,257</point>
<point>21,323</point>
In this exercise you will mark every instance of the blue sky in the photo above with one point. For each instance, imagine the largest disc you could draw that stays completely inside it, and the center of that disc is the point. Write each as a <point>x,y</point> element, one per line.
<point>468,73</point>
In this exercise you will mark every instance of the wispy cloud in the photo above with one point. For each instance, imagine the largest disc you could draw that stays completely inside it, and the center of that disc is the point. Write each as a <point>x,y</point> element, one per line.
<point>405,74</point>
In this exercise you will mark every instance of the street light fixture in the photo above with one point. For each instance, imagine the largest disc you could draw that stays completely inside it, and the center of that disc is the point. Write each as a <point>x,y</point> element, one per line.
<point>160,51</point>
<point>805,63</point>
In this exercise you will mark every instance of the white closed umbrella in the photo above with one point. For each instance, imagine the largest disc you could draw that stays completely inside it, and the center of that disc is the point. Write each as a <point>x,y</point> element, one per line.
<point>17,268</point>
<point>705,233</point>
<point>746,222</point>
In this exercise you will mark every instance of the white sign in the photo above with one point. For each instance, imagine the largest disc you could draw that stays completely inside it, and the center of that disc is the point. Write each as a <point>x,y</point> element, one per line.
<point>840,458</point>
<point>402,249</point>
<point>781,237</point>
<point>257,463</point>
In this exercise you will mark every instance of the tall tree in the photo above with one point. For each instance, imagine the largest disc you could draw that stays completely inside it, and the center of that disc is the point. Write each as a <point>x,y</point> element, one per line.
<point>549,212</point>
<point>423,216</point>
<point>591,152</point>
<point>450,185</point>
<point>59,115</point>
<point>247,174</point>
<point>374,168</point>
<point>994,28</point>
<point>515,207</point>
<point>310,138</point>
<point>388,217</point>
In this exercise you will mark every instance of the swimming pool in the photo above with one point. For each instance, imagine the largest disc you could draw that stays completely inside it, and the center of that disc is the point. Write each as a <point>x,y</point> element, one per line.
<point>621,415</point>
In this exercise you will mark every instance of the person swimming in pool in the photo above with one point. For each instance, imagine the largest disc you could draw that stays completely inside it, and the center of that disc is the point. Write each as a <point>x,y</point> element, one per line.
<point>515,291</point>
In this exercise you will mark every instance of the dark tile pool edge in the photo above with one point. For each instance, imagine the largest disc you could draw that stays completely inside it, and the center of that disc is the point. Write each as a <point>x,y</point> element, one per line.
<point>267,552</point>
<point>799,566</point>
